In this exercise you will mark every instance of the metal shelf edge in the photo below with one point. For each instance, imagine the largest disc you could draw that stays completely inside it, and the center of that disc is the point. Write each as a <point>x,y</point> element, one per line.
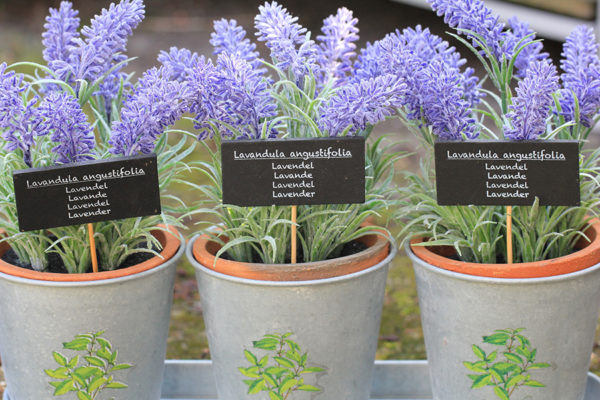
<point>392,380</point>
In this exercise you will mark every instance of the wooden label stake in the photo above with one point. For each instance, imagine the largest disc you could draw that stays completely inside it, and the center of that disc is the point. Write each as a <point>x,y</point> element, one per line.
<point>92,247</point>
<point>294,234</point>
<point>509,246</point>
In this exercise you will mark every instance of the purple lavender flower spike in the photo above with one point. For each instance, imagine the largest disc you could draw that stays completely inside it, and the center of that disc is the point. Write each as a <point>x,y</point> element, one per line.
<point>444,107</point>
<point>102,43</point>
<point>68,126</point>
<point>281,34</point>
<point>336,48</point>
<point>234,93</point>
<point>407,55</point>
<point>531,106</point>
<point>202,82</point>
<point>228,37</point>
<point>473,15</point>
<point>427,47</point>
<point>156,103</point>
<point>11,102</point>
<point>581,77</point>
<point>360,104</point>
<point>178,63</point>
<point>368,63</point>
<point>19,120</point>
<point>244,98</point>
<point>61,31</point>
<point>532,51</point>
<point>391,56</point>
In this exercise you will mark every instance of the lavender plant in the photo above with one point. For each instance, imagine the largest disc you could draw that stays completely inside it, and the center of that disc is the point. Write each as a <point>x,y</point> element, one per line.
<point>81,106</point>
<point>305,89</point>
<point>531,101</point>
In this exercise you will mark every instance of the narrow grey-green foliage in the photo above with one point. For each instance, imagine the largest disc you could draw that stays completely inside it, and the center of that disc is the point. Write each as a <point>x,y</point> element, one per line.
<point>474,231</point>
<point>29,246</point>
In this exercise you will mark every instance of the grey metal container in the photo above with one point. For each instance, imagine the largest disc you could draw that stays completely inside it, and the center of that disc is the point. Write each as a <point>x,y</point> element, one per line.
<point>38,316</point>
<point>335,320</point>
<point>558,314</point>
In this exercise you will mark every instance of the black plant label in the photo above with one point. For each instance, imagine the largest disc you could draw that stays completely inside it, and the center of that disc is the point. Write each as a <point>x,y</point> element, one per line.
<point>91,191</point>
<point>294,171</point>
<point>507,172</point>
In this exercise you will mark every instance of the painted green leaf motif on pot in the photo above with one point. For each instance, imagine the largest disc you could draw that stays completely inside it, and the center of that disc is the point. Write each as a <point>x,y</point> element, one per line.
<point>88,374</point>
<point>279,372</point>
<point>77,344</point>
<point>501,393</point>
<point>498,339</point>
<point>505,369</point>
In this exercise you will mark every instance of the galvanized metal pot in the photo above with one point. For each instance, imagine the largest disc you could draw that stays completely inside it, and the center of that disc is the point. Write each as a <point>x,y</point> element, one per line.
<point>557,315</point>
<point>38,316</point>
<point>334,320</point>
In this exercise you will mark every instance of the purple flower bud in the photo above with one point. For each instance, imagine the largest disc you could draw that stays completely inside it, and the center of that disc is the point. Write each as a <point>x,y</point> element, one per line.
<point>444,107</point>
<point>228,37</point>
<point>291,48</point>
<point>531,106</point>
<point>531,51</point>
<point>234,94</point>
<point>361,104</point>
<point>474,16</point>
<point>101,46</point>
<point>336,46</point>
<point>155,104</point>
<point>581,77</point>
<point>178,63</point>
<point>19,118</point>
<point>407,55</point>
<point>68,126</point>
<point>61,31</point>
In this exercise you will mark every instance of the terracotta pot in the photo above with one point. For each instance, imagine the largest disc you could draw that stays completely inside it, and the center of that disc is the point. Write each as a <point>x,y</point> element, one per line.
<point>587,255</point>
<point>41,311</point>
<point>169,242</point>
<point>331,308</point>
<point>555,302</point>
<point>378,246</point>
